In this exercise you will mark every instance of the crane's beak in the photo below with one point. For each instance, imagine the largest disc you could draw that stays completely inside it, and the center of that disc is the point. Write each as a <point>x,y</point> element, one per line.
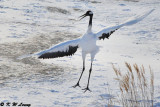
<point>83,16</point>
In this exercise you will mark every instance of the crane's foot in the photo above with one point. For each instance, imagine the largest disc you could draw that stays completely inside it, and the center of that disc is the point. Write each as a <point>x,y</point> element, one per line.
<point>86,89</point>
<point>76,85</point>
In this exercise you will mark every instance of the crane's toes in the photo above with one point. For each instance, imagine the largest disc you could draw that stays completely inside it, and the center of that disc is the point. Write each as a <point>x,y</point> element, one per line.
<point>76,85</point>
<point>86,89</point>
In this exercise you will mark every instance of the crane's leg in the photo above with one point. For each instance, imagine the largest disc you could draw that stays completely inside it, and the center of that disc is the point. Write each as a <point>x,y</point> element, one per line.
<point>87,88</point>
<point>90,70</point>
<point>83,57</point>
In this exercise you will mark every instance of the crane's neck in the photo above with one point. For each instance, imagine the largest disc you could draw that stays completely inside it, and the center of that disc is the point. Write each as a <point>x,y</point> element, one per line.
<point>90,23</point>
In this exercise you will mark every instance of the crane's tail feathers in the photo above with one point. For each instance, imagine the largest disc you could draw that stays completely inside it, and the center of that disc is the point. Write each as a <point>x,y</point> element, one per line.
<point>136,19</point>
<point>26,56</point>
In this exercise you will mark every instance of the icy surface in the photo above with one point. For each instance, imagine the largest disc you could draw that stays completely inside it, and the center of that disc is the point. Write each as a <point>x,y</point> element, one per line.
<point>34,25</point>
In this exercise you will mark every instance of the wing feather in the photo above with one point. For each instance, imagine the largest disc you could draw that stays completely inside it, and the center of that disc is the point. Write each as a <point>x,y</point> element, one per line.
<point>106,35</point>
<point>106,32</point>
<point>63,49</point>
<point>69,52</point>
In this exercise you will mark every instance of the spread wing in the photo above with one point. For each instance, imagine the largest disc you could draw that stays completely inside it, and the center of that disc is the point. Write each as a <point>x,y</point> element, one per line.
<point>63,49</point>
<point>106,32</point>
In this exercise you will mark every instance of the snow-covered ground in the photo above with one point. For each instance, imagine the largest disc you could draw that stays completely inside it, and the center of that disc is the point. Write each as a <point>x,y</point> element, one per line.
<point>28,26</point>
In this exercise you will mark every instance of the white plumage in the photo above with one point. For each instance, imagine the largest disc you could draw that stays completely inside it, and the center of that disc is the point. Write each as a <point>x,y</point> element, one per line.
<point>63,47</point>
<point>87,43</point>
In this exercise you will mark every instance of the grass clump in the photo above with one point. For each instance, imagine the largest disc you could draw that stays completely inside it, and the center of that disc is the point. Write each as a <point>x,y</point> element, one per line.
<point>136,89</point>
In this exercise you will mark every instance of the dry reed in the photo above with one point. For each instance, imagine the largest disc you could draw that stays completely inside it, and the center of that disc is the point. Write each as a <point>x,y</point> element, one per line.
<point>136,90</point>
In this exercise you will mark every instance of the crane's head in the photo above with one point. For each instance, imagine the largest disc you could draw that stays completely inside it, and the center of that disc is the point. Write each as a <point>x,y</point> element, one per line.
<point>88,13</point>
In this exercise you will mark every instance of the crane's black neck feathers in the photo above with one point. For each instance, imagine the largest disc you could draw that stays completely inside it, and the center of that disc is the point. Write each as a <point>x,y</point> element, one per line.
<point>90,20</point>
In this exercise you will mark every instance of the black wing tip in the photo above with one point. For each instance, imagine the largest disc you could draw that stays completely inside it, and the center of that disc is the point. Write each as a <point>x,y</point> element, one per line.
<point>69,52</point>
<point>106,35</point>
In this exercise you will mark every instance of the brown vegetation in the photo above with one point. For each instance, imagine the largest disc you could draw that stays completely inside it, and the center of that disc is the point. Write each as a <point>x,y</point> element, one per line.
<point>136,89</point>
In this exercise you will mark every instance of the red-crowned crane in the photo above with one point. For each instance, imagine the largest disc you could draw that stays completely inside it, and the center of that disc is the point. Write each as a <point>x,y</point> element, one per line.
<point>87,43</point>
